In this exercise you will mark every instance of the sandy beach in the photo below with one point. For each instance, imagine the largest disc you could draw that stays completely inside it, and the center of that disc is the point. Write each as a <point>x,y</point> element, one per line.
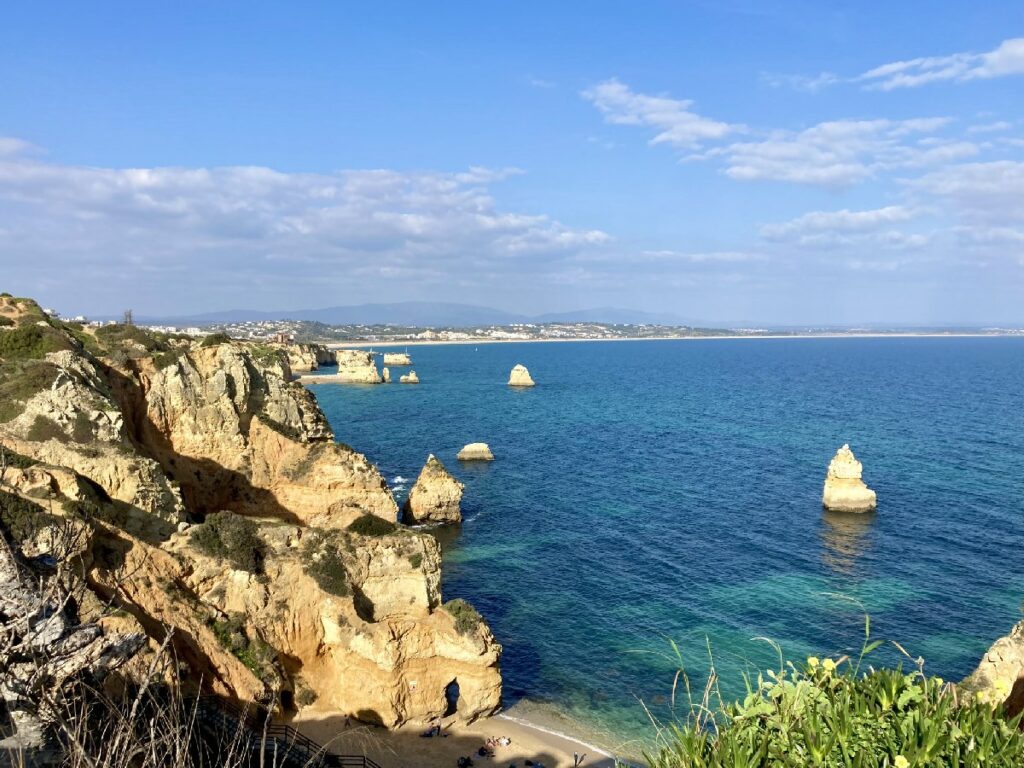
<point>406,748</point>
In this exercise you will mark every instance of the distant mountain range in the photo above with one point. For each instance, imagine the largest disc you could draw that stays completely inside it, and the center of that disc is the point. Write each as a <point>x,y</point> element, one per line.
<point>420,314</point>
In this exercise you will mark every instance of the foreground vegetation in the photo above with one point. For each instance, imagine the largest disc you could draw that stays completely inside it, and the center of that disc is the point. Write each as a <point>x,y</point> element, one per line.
<point>840,713</point>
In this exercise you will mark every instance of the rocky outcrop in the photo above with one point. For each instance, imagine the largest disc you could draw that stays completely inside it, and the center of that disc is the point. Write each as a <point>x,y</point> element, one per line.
<point>844,489</point>
<point>520,377</point>
<point>409,378</point>
<point>317,591</point>
<point>386,375</point>
<point>306,357</point>
<point>999,678</point>
<point>238,435</point>
<point>397,358</point>
<point>435,498</point>
<point>356,367</point>
<point>475,452</point>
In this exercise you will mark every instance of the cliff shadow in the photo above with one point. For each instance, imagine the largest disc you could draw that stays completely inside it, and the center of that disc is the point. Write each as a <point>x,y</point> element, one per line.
<point>206,486</point>
<point>409,747</point>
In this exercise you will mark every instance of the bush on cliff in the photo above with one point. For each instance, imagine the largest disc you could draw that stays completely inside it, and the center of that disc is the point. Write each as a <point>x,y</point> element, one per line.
<point>32,342</point>
<point>118,334</point>
<point>466,617</point>
<point>20,381</point>
<point>214,339</point>
<point>371,525</point>
<point>21,519</point>
<point>833,714</point>
<point>329,572</point>
<point>230,536</point>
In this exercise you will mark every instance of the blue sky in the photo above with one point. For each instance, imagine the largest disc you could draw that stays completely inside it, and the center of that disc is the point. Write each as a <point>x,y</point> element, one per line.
<point>725,161</point>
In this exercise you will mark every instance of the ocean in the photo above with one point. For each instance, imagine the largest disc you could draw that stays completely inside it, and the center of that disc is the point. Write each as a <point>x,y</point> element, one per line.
<point>656,492</point>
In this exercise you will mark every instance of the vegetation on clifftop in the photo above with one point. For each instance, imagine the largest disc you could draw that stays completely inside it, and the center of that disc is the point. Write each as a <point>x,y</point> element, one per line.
<point>834,714</point>
<point>230,536</point>
<point>371,525</point>
<point>467,619</point>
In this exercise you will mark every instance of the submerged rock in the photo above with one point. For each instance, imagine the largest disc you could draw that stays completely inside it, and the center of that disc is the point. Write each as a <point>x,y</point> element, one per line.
<point>409,378</point>
<point>476,452</point>
<point>844,489</point>
<point>435,498</point>
<point>520,377</point>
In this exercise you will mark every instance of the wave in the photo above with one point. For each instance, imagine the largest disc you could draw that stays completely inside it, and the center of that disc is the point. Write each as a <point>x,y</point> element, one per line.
<point>399,479</point>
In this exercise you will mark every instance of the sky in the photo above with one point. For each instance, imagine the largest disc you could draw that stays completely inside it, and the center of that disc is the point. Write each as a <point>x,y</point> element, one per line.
<point>734,161</point>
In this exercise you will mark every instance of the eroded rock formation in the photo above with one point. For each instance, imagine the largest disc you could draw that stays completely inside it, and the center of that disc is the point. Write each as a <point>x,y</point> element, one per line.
<point>386,375</point>
<point>520,377</point>
<point>397,358</point>
<point>436,497</point>
<point>999,678</point>
<point>356,367</point>
<point>307,586</point>
<point>306,357</point>
<point>475,452</point>
<point>844,490</point>
<point>409,378</point>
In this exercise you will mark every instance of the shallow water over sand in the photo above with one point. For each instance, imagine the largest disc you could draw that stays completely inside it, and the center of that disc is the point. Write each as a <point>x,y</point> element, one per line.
<point>671,489</point>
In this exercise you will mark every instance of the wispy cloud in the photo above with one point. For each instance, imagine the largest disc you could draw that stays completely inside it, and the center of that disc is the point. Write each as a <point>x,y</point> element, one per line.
<point>811,84</point>
<point>838,221</point>
<point>1006,59</point>
<point>674,121</point>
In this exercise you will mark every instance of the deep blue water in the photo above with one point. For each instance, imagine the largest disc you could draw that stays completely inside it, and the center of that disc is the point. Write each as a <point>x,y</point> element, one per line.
<point>653,490</point>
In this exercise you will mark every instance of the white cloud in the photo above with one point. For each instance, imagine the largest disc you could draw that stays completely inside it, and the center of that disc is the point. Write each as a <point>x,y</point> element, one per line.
<point>260,229</point>
<point>676,124</point>
<point>1006,59</point>
<point>838,221</point>
<point>11,146</point>
<point>802,82</point>
<point>980,192</point>
<point>839,153</point>
<point>996,127</point>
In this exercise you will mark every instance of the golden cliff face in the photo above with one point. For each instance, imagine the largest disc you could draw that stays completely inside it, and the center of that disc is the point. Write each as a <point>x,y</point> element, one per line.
<point>338,607</point>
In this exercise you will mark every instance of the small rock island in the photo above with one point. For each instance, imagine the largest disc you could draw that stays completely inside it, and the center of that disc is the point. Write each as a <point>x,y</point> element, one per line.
<point>397,358</point>
<point>520,377</point>
<point>475,452</point>
<point>844,489</point>
<point>409,378</point>
<point>435,498</point>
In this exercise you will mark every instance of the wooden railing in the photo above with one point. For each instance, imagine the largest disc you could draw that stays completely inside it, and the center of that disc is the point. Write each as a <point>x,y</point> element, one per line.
<point>281,744</point>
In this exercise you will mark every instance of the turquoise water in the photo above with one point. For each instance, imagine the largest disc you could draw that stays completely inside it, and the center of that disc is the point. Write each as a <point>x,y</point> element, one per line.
<point>671,489</point>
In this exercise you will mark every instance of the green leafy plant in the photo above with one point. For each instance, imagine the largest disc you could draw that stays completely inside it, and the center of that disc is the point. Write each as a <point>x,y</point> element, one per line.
<point>833,714</point>
<point>328,570</point>
<point>466,617</point>
<point>231,536</point>
<point>371,525</point>
<point>214,339</point>
<point>231,632</point>
<point>32,342</point>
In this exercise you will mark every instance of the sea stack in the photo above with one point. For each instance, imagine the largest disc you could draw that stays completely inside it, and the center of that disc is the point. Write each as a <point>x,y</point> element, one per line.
<point>520,377</point>
<point>476,452</point>
<point>409,378</point>
<point>844,490</point>
<point>386,375</point>
<point>435,498</point>
<point>397,358</point>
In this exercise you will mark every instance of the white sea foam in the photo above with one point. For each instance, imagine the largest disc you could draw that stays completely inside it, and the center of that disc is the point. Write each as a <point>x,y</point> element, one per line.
<point>400,479</point>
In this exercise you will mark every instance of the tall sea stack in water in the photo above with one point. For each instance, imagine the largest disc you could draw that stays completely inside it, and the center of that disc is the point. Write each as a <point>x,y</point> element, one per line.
<point>844,490</point>
<point>520,377</point>
<point>435,498</point>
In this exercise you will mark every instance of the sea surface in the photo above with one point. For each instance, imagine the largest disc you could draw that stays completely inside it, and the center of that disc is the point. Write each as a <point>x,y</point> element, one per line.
<point>653,492</point>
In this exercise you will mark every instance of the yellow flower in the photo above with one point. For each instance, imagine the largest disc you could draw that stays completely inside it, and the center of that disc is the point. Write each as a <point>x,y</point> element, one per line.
<point>829,665</point>
<point>939,682</point>
<point>812,662</point>
<point>1002,688</point>
<point>901,762</point>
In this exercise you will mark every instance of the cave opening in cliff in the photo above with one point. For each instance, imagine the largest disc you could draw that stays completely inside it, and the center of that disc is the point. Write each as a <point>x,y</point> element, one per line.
<point>451,696</point>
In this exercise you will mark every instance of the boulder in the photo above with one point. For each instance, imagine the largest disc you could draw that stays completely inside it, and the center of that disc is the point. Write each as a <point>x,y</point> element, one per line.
<point>436,496</point>
<point>520,377</point>
<point>844,489</point>
<point>397,358</point>
<point>476,452</point>
<point>409,378</point>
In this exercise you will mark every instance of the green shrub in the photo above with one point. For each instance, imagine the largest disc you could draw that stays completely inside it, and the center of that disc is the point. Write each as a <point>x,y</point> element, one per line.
<point>15,460</point>
<point>118,333</point>
<point>257,655</point>
<point>168,358</point>
<point>371,525</point>
<point>416,560</point>
<point>32,342</point>
<point>20,381</point>
<point>832,714</point>
<point>5,322</point>
<point>329,572</point>
<point>231,536</point>
<point>305,696</point>
<point>214,339</point>
<point>466,617</point>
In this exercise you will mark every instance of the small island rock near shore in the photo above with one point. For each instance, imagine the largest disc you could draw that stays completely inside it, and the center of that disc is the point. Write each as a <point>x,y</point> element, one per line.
<point>435,498</point>
<point>520,377</point>
<point>397,358</point>
<point>844,489</point>
<point>475,452</point>
<point>409,378</point>
<point>290,547</point>
<point>386,375</point>
<point>356,367</point>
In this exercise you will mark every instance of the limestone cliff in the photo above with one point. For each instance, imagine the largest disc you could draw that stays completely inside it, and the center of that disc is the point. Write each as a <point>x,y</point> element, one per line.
<point>844,490</point>
<point>306,586</point>
<point>999,677</point>
<point>435,498</point>
<point>356,367</point>
<point>306,357</point>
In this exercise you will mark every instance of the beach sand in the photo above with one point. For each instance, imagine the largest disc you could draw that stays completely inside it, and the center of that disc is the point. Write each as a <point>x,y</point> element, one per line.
<point>405,748</point>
